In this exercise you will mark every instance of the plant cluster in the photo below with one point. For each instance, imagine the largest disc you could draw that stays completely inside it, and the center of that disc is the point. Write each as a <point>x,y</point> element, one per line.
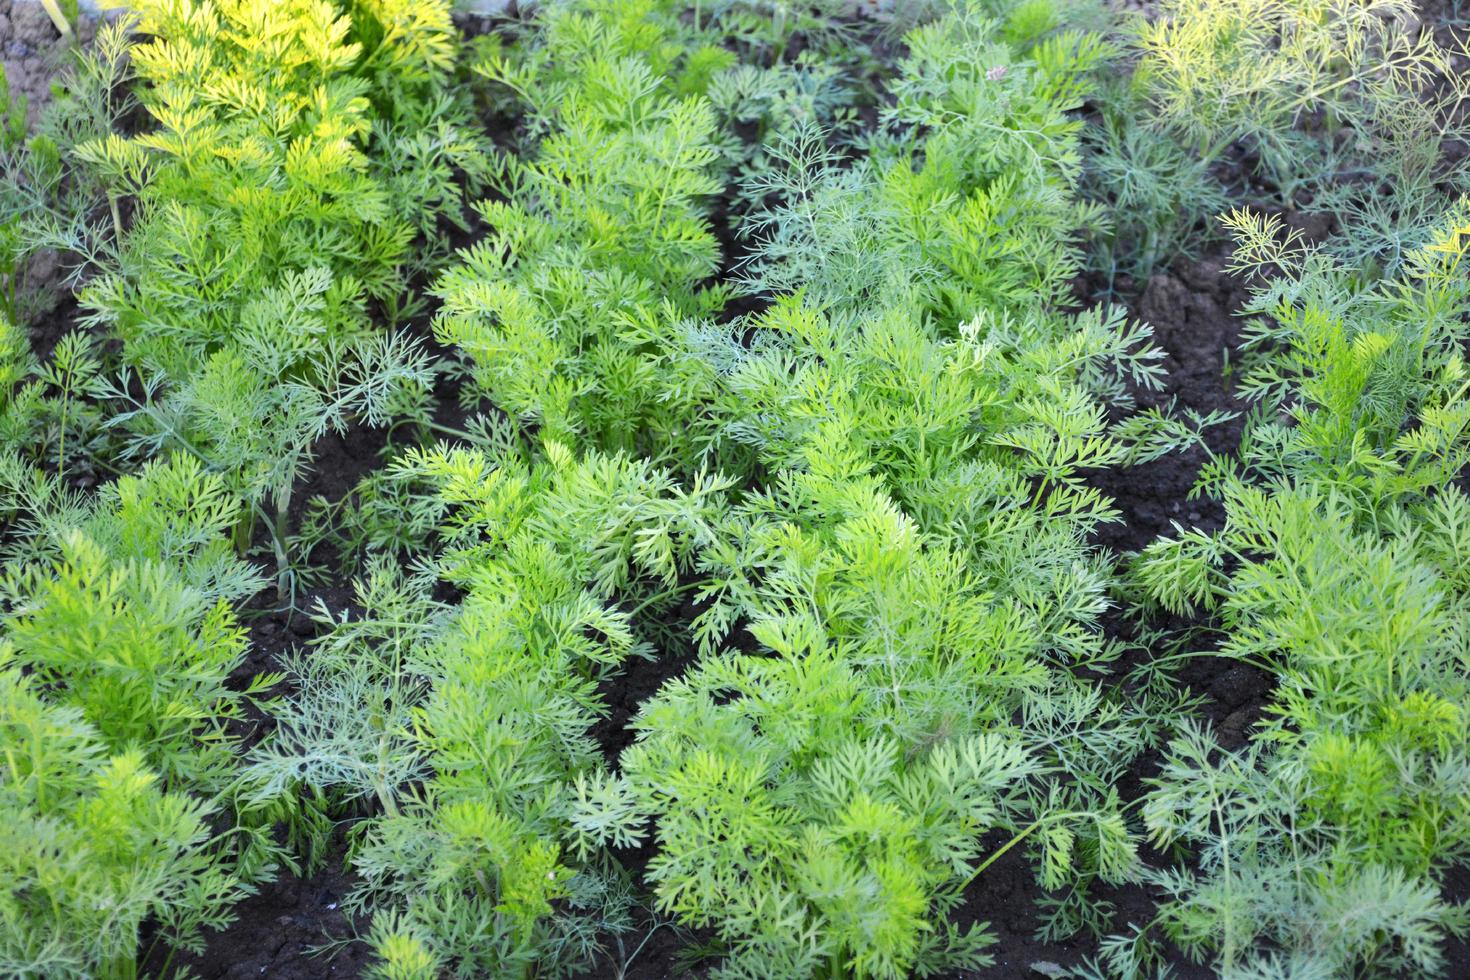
<point>1341,570</point>
<point>1342,109</point>
<point>770,397</point>
<point>118,646</point>
<point>298,153</point>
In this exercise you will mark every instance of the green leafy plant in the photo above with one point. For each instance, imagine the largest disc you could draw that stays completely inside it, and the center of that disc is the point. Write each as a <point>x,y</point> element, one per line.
<point>821,808</point>
<point>1340,569</point>
<point>280,193</point>
<point>122,606</point>
<point>469,870</point>
<point>597,253</point>
<point>94,846</point>
<point>1342,108</point>
<point>119,654</point>
<point>985,218</point>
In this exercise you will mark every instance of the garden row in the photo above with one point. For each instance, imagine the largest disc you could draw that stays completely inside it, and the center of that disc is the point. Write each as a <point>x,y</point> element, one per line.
<point>777,351</point>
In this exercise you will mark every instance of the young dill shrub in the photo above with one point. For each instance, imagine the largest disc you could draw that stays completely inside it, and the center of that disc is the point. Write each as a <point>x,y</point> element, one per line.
<point>758,109</point>
<point>821,808</point>
<point>1341,568</point>
<point>965,203</point>
<point>1159,194</point>
<point>921,419</point>
<point>122,607</point>
<point>280,194</point>
<point>594,260</point>
<point>952,383</point>
<point>1345,108</point>
<point>93,847</point>
<point>469,724</point>
<point>45,414</point>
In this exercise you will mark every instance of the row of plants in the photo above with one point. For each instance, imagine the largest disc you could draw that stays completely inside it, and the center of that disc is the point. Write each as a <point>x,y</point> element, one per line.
<point>772,377</point>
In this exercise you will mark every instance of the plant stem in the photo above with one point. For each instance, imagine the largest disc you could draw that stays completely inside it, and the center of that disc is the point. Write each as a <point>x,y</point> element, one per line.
<point>58,18</point>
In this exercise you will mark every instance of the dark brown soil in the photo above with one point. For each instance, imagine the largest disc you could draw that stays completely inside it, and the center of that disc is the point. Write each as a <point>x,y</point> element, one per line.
<point>284,931</point>
<point>32,50</point>
<point>1191,308</point>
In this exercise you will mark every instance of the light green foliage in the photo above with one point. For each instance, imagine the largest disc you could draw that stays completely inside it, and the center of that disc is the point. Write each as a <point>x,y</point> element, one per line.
<point>91,847</point>
<point>264,159</point>
<point>804,836</point>
<point>121,607</point>
<point>288,178</point>
<point>984,218</point>
<point>980,436</point>
<point>1364,387</point>
<point>861,498</point>
<point>822,806</point>
<point>118,656</point>
<point>915,555</point>
<point>490,703</point>
<point>255,408</point>
<point>592,268</point>
<point>1218,71</point>
<point>1341,568</point>
<point>1345,106</point>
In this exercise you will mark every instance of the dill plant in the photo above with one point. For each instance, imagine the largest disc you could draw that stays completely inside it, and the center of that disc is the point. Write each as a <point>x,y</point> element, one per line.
<point>1341,108</point>
<point>473,727</point>
<point>118,649</point>
<point>913,565</point>
<point>1341,570</point>
<point>291,173</point>
<point>598,255</point>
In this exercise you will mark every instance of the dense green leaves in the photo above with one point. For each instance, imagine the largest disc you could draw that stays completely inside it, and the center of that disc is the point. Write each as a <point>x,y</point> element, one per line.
<point>1340,569</point>
<point>761,545</point>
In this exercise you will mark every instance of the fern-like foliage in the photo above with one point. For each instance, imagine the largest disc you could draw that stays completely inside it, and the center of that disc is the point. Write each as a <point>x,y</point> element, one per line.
<point>94,847</point>
<point>291,172</point>
<point>820,806</point>
<point>1342,107</point>
<point>119,655</point>
<point>914,563</point>
<point>121,605</point>
<point>596,256</point>
<point>984,218</point>
<point>1341,569</point>
<point>489,702</point>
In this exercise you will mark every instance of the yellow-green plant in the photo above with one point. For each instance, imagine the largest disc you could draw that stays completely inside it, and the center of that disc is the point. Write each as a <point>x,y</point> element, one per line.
<point>279,193</point>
